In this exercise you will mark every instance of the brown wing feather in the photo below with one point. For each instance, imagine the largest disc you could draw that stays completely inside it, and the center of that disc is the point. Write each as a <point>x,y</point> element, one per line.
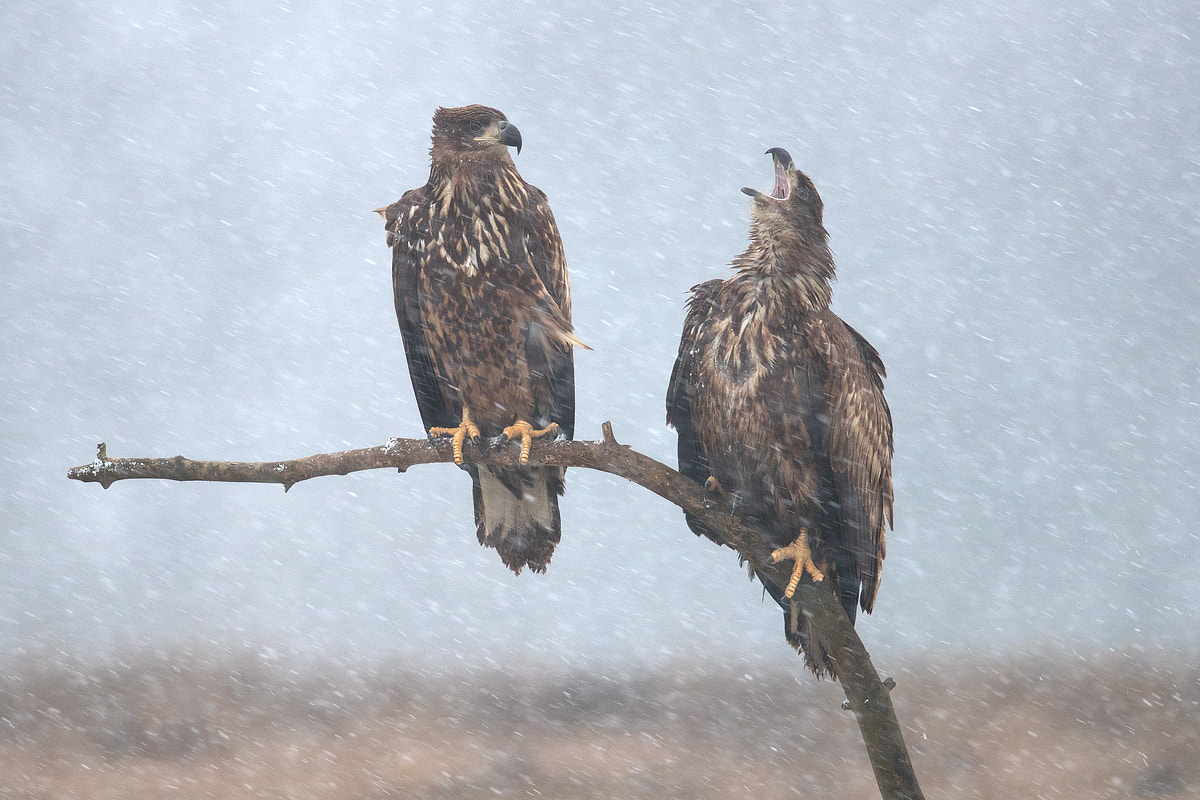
<point>554,355</point>
<point>407,225</point>
<point>859,440</point>
<point>544,245</point>
<point>693,462</point>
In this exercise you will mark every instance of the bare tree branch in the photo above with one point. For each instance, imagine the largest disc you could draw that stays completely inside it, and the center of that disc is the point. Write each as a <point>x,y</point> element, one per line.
<point>867,697</point>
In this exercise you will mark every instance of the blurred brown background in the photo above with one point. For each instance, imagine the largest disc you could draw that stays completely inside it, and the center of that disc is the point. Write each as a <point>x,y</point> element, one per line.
<point>1056,724</point>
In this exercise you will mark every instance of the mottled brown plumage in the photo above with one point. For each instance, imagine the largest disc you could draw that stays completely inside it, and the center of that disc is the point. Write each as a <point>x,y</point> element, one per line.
<point>781,402</point>
<point>484,307</point>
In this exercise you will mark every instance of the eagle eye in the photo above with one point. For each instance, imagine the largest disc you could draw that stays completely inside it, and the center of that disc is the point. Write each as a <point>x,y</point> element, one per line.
<point>802,192</point>
<point>476,126</point>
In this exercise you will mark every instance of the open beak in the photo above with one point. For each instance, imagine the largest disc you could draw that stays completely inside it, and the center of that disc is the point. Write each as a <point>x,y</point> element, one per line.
<point>783,163</point>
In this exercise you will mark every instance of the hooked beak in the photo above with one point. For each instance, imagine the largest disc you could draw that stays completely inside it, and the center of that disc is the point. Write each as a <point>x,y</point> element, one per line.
<point>510,136</point>
<point>780,157</point>
<point>783,163</point>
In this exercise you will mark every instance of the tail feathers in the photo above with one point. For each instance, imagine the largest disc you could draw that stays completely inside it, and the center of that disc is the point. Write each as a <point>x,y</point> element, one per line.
<point>516,512</point>
<point>700,529</point>
<point>819,655</point>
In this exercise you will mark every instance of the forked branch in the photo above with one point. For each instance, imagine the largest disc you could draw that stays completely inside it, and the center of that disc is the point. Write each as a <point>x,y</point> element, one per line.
<point>866,695</point>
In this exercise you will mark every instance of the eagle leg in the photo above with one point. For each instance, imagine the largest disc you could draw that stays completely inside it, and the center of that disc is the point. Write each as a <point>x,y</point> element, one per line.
<point>713,486</point>
<point>464,430</point>
<point>527,433</point>
<point>799,552</point>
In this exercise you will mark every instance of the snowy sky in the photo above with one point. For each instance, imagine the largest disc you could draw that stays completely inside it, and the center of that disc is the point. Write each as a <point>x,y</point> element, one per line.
<point>190,265</point>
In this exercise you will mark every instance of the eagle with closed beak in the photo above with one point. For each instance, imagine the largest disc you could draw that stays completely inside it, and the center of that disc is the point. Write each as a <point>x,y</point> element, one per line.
<point>779,405</point>
<point>484,305</point>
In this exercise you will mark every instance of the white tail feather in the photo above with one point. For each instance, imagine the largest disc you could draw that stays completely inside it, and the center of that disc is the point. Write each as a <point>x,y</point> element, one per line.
<point>504,512</point>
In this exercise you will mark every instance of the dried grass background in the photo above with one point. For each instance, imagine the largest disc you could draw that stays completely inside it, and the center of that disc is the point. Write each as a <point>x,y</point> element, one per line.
<point>186,726</point>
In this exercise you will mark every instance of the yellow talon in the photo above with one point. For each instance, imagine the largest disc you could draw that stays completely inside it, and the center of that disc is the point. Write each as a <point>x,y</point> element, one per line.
<point>466,428</point>
<point>527,433</point>
<point>798,551</point>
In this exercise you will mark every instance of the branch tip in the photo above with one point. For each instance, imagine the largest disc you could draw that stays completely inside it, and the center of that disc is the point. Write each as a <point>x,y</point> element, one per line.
<point>607,431</point>
<point>102,453</point>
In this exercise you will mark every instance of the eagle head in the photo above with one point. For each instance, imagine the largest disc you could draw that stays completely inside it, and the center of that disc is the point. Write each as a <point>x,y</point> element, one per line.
<point>794,197</point>
<point>787,234</point>
<point>473,132</point>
